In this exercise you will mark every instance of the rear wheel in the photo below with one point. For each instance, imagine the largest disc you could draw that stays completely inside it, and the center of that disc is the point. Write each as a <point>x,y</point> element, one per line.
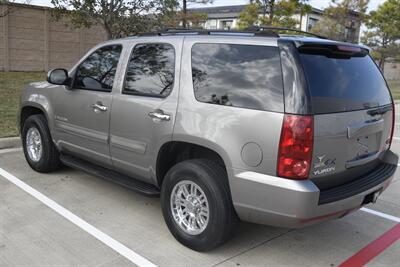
<point>196,204</point>
<point>39,149</point>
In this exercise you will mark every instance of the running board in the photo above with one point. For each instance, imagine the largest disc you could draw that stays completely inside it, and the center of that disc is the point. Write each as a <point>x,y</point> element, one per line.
<point>110,175</point>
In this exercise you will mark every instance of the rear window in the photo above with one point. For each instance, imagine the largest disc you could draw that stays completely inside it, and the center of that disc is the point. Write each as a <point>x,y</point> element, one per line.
<point>245,76</point>
<point>344,84</point>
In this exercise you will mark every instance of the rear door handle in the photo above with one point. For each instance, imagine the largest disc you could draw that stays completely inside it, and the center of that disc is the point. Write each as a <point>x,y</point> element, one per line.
<point>99,107</point>
<point>159,115</point>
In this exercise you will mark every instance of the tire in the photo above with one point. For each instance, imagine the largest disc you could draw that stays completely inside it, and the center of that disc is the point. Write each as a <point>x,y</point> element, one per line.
<point>213,183</point>
<point>48,159</point>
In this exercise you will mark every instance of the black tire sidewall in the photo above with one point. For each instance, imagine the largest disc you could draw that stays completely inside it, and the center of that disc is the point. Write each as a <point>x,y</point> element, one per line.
<point>40,123</point>
<point>212,236</point>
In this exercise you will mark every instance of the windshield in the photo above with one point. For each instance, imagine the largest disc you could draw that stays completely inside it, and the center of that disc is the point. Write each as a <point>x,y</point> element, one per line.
<point>344,84</point>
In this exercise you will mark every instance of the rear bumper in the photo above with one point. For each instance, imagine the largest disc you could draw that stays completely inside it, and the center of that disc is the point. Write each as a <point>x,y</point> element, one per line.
<point>271,200</point>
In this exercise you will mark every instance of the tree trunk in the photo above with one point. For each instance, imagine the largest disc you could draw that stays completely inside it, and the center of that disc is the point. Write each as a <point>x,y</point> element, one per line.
<point>271,11</point>
<point>382,63</point>
<point>382,59</point>
<point>184,13</point>
<point>108,31</point>
<point>301,20</point>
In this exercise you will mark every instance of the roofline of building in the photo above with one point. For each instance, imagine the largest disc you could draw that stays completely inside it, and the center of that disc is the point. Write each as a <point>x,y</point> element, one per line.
<point>197,10</point>
<point>200,9</point>
<point>25,5</point>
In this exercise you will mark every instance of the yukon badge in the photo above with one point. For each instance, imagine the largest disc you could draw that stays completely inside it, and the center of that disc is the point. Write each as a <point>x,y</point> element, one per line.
<point>323,166</point>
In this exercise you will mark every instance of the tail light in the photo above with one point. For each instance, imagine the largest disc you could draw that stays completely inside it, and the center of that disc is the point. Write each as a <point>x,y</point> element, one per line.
<point>295,147</point>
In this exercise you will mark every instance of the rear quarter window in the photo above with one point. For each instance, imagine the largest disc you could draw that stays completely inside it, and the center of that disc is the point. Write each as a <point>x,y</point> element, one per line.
<point>344,84</point>
<point>245,76</point>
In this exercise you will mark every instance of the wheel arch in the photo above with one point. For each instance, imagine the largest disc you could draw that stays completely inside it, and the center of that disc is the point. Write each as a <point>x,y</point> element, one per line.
<point>29,109</point>
<point>173,152</point>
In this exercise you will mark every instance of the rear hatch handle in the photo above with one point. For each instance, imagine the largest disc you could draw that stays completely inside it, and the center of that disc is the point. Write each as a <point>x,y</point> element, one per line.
<point>364,128</point>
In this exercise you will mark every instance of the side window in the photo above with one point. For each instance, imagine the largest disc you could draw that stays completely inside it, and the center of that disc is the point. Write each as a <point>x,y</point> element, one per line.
<point>97,72</point>
<point>150,70</point>
<point>246,76</point>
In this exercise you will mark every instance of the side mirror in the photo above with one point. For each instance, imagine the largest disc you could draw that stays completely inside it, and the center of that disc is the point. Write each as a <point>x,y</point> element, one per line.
<point>58,77</point>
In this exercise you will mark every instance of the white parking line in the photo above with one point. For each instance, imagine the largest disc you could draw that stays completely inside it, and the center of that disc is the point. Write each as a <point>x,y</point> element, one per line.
<point>107,240</point>
<point>381,214</point>
<point>9,150</point>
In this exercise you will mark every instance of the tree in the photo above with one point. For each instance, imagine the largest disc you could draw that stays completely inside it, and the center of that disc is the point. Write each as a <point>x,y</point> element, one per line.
<point>184,9</point>
<point>282,13</point>
<point>268,7</point>
<point>249,16</point>
<point>304,8</point>
<point>273,12</point>
<point>118,17</point>
<point>341,20</point>
<point>173,15</point>
<point>383,32</point>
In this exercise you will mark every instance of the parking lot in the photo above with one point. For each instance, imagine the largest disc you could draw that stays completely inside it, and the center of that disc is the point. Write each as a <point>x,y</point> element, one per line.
<point>71,218</point>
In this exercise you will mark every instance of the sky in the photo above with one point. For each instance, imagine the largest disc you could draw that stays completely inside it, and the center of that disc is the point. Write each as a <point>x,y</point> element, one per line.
<point>373,4</point>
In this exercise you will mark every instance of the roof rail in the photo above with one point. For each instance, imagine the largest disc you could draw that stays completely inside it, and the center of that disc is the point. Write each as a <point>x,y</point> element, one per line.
<point>175,31</point>
<point>272,28</point>
<point>253,30</point>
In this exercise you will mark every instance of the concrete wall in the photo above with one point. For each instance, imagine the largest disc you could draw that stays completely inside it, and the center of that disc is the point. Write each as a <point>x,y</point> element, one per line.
<point>31,40</point>
<point>392,71</point>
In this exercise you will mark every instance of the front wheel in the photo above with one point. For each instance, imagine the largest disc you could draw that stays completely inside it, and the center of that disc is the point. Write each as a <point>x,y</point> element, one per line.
<point>39,149</point>
<point>196,204</point>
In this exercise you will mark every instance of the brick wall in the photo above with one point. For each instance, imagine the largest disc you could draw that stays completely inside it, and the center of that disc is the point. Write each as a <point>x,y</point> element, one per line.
<point>31,40</point>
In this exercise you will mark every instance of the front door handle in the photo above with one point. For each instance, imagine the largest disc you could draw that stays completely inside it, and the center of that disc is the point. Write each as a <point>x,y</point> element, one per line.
<point>159,115</point>
<point>99,107</point>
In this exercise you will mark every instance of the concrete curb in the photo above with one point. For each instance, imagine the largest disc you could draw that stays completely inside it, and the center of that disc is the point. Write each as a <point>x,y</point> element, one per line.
<point>10,142</point>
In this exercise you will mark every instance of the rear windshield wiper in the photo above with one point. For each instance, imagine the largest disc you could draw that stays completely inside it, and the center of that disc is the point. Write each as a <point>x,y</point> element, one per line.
<point>379,111</point>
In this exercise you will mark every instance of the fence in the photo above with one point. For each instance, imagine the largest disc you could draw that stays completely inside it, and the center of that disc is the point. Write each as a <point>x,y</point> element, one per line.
<point>30,39</point>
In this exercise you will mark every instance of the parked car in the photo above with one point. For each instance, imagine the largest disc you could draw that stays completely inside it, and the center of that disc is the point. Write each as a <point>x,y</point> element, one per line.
<point>266,128</point>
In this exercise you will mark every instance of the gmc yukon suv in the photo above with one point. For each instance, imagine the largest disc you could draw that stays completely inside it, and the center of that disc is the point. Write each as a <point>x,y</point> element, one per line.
<point>283,130</point>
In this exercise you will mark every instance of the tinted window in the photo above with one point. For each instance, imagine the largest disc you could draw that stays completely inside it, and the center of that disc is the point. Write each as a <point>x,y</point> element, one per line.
<point>97,72</point>
<point>344,84</point>
<point>244,76</point>
<point>151,70</point>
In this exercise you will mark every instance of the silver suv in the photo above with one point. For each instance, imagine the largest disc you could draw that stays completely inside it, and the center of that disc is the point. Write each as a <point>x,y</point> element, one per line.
<point>272,129</point>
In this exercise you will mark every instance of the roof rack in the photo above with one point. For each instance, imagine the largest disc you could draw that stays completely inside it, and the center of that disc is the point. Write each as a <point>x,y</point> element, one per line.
<point>264,31</point>
<point>177,31</point>
<point>272,28</point>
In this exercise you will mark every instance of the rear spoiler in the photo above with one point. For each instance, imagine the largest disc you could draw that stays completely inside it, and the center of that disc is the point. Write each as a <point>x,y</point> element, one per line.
<point>334,50</point>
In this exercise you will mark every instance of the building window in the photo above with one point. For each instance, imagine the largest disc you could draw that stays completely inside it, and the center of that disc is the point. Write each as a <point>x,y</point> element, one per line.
<point>349,33</point>
<point>311,23</point>
<point>212,24</point>
<point>226,24</point>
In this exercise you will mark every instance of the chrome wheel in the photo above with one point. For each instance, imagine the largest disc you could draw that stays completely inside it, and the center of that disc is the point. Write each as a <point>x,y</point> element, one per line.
<point>34,144</point>
<point>190,208</point>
